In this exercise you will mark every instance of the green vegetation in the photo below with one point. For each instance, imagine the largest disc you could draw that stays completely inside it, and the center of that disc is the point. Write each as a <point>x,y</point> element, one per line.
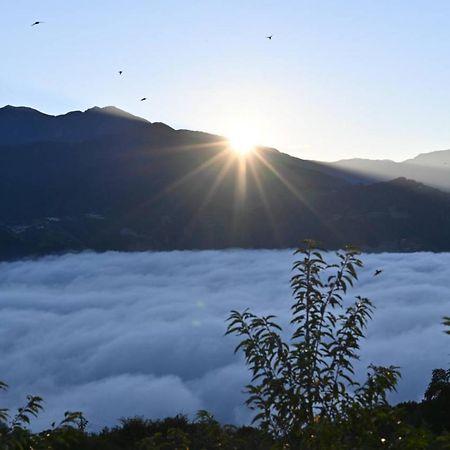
<point>308,382</point>
<point>14,432</point>
<point>422,425</point>
<point>304,390</point>
<point>446,323</point>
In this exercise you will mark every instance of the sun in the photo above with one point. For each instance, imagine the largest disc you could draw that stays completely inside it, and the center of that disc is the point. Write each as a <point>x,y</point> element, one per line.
<point>242,141</point>
<point>242,145</point>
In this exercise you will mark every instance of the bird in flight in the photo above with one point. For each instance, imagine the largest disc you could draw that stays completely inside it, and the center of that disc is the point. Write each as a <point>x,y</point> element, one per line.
<point>38,22</point>
<point>120,72</point>
<point>377,272</point>
<point>143,99</point>
<point>269,37</point>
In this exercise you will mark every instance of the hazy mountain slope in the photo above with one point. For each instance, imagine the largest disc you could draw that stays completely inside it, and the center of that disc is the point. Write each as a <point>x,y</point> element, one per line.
<point>112,181</point>
<point>429,168</point>
<point>400,214</point>
<point>432,159</point>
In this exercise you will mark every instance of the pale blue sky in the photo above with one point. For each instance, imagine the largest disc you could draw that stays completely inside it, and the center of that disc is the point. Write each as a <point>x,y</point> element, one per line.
<point>340,78</point>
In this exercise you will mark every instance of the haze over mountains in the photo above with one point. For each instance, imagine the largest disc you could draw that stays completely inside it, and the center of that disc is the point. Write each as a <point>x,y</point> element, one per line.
<point>430,168</point>
<point>104,179</point>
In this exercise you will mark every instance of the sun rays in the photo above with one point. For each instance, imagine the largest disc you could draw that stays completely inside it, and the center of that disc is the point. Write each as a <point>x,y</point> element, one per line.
<point>243,137</point>
<point>242,145</point>
<point>235,178</point>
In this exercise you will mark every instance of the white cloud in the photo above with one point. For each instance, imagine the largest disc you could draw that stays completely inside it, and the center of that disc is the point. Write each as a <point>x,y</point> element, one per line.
<point>123,334</point>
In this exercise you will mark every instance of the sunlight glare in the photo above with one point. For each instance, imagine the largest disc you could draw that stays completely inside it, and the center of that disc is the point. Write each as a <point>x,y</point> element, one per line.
<point>242,145</point>
<point>243,140</point>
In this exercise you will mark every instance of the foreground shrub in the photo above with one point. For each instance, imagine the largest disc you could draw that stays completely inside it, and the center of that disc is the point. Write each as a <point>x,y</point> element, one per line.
<point>306,386</point>
<point>16,435</point>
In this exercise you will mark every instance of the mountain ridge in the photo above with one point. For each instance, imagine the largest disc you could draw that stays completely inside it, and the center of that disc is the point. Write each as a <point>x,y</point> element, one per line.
<point>115,183</point>
<point>23,125</point>
<point>431,168</point>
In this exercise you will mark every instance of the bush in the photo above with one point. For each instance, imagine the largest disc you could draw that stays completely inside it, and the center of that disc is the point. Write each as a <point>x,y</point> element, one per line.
<point>15,434</point>
<point>302,388</point>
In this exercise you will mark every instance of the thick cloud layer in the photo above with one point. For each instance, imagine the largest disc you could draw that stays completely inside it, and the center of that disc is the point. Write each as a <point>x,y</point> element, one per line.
<point>118,335</point>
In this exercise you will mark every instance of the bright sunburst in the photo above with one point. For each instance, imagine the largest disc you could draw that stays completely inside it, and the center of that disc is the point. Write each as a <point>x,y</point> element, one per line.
<point>242,145</point>
<point>242,140</point>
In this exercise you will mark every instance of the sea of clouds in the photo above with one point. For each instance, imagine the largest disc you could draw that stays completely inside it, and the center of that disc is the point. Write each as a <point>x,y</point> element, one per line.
<point>124,334</point>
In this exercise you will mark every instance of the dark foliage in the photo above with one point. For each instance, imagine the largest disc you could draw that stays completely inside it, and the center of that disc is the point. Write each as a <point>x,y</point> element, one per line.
<point>304,390</point>
<point>434,411</point>
<point>309,381</point>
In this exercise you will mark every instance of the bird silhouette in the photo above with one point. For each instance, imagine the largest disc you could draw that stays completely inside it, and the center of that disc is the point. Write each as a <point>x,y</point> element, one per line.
<point>143,99</point>
<point>120,72</point>
<point>269,37</point>
<point>38,22</point>
<point>377,272</point>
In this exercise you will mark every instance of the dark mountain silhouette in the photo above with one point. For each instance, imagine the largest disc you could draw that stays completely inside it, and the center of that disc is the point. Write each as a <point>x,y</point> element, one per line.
<point>104,179</point>
<point>429,168</point>
<point>21,125</point>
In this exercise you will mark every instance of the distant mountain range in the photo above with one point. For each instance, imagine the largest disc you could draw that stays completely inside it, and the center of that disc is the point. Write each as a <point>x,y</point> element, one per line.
<point>429,168</point>
<point>104,179</point>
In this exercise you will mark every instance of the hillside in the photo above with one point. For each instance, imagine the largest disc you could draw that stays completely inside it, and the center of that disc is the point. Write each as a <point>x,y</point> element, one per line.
<point>430,168</point>
<point>104,179</point>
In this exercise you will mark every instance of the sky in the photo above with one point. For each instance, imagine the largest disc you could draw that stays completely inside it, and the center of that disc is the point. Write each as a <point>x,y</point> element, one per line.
<point>339,79</point>
<point>124,334</point>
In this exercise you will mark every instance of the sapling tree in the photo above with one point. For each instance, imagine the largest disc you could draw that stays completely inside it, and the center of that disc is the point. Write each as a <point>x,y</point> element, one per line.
<point>309,379</point>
